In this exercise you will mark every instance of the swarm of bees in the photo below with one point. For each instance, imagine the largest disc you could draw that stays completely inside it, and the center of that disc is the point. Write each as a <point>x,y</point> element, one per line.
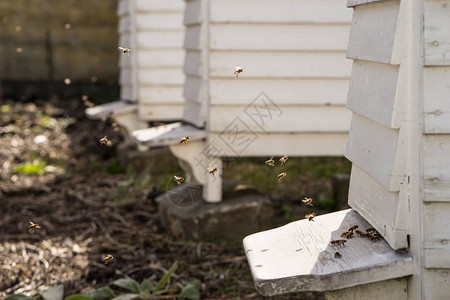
<point>310,216</point>
<point>237,71</point>
<point>281,176</point>
<point>108,258</point>
<point>104,141</point>
<point>283,159</point>
<point>125,51</point>
<point>33,226</point>
<point>349,233</point>
<point>184,140</point>
<point>212,171</point>
<point>178,179</point>
<point>270,162</point>
<point>308,201</point>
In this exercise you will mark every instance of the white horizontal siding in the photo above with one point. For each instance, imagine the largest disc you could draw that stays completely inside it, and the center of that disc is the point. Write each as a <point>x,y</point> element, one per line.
<point>193,38</point>
<point>193,89</point>
<point>159,5</point>
<point>193,13</point>
<point>160,40</point>
<point>374,148</point>
<point>436,227</point>
<point>123,8</point>
<point>161,94</point>
<point>242,91</point>
<point>436,89</point>
<point>287,119</point>
<point>436,284</point>
<point>163,76</point>
<point>373,92</point>
<point>351,3</point>
<point>160,112</point>
<point>275,65</point>
<point>280,11</point>
<point>192,63</point>
<point>125,41</point>
<point>160,22</point>
<point>373,31</point>
<point>195,112</point>
<point>125,76</point>
<point>436,37</point>
<point>171,58</point>
<point>124,25</point>
<point>436,172</point>
<point>279,37</point>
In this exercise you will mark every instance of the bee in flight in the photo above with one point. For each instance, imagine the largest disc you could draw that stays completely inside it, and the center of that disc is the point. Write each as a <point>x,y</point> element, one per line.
<point>338,242</point>
<point>33,226</point>
<point>212,171</point>
<point>281,176</point>
<point>310,216</point>
<point>185,139</point>
<point>125,51</point>
<point>270,162</point>
<point>108,258</point>
<point>284,159</point>
<point>178,179</point>
<point>337,254</point>
<point>104,140</point>
<point>238,70</point>
<point>308,201</point>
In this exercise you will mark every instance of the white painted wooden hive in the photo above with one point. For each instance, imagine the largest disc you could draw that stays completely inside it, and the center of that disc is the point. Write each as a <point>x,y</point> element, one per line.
<point>290,98</point>
<point>152,74</point>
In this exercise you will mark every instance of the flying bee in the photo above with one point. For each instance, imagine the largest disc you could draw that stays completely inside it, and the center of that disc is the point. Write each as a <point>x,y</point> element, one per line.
<point>308,201</point>
<point>33,226</point>
<point>178,179</point>
<point>125,51</point>
<point>310,216</point>
<point>104,140</point>
<point>185,139</point>
<point>108,258</point>
<point>338,242</point>
<point>281,176</point>
<point>337,254</point>
<point>353,228</point>
<point>270,162</point>
<point>212,171</point>
<point>238,70</point>
<point>283,159</point>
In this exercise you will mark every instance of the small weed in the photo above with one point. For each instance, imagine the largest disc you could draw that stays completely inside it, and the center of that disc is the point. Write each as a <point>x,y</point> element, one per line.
<point>37,167</point>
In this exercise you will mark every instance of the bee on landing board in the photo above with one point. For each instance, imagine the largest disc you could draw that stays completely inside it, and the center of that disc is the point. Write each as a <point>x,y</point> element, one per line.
<point>284,159</point>
<point>184,140</point>
<point>178,179</point>
<point>352,228</point>
<point>238,70</point>
<point>270,162</point>
<point>337,254</point>
<point>308,201</point>
<point>310,216</point>
<point>338,242</point>
<point>33,226</point>
<point>281,176</point>
<point>108,258</point>
<point>124,50</point>
<point>212,171</point>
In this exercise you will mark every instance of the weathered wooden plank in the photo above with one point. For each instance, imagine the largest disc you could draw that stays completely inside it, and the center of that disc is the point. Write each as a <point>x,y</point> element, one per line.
<point>166,135</point>
<point>193,13</point>
<point>436,226</point>
<point>273,64</point>
<point>160,112</point>
<point>374,148</point>
<point>281,91</point>
<point>386,211</point>
<point>193,63</point>
<point>373,32</point>
<point>436,284</point>
<point>158,40</point>
<point>161,21</point>
<point>292,118</point>
<point>436,171</point>
<point>299,257</point>
<point>193,38</point>
<point>436,92</point>
<point>373,92</point>
<point>161,94</point>
<point>436,37</point>
<point>193,89</point>
<point>155,59</point>
<point>352,3</point>
<point>160,5</point>
<point>238,140</point>
<point>195,113</point>
<point>286,37</point>
<point>163,76</point>
<point>281,11</point>
<point>111,108</point>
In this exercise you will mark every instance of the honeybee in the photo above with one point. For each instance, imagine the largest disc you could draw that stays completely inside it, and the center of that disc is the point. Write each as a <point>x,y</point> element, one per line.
<point>178,179</point>
<point>212,171</point>
<point>361,233</point>
<point>370,230</point>
<point>353,228</point>
<point>125,51</point>
<point>338,242</point>
<point>281,176</point>
<point>238,70</point>
<point>283,159</point>
<point>373,234</point>
<point>270,162</point>
<point>185,139</point>
<point>310,216</point>
<point>337,254</point>
<point>33,226</point>
<point>108,258</point>
<point>344,233</point>
<point>308,201</point>
<point>349,235</point>
<point>104,140</point>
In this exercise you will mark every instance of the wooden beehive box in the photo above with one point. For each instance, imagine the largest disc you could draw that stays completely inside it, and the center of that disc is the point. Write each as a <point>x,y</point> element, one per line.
<point>291,97</point>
